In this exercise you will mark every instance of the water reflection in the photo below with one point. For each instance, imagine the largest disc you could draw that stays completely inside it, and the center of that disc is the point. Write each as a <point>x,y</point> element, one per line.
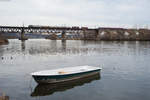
<point>2,48</point>
<point>3,40</point>
<point>48,89</point>
<point>1,52</point>
<point>54,47</point>
<point>63,45</point>
<point>23,45</point>
<point>53,44</point>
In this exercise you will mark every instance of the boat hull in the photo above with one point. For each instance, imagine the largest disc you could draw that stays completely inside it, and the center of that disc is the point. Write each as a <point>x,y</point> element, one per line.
<point>49,89</point>
<point>63,78</point>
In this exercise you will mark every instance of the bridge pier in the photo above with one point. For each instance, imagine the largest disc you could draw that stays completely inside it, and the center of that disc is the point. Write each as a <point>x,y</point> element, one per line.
<point>63,35</point>
<point>22,37</point>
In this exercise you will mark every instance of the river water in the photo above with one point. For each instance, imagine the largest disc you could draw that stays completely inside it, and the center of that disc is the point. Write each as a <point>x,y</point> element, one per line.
<point>125,74</point>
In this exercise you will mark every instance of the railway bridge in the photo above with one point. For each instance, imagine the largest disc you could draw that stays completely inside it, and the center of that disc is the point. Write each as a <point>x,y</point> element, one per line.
<point>81,33</point>
<point>41,29</point>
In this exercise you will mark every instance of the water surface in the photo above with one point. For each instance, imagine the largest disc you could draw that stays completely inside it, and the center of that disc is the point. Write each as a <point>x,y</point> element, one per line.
<point>125,73</point>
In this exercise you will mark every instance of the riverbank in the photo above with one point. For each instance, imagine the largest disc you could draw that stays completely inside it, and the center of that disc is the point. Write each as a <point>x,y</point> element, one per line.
<point>3,41</point>
<point>3,97</point>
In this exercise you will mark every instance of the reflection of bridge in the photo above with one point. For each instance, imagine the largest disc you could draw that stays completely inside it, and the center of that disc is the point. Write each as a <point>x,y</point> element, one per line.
<point>80,33</point>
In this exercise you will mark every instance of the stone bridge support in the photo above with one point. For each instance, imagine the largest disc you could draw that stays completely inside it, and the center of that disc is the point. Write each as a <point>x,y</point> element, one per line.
<point>22,36</point>
<point>63,35</point>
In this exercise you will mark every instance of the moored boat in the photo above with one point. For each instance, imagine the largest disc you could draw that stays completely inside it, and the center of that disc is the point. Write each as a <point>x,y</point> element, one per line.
<point>64,74</point>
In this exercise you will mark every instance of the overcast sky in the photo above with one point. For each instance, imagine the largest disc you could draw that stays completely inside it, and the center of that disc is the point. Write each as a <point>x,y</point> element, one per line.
<point>92,13</point>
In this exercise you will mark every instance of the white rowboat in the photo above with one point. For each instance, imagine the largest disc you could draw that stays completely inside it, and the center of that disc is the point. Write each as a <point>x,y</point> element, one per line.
<point>64,74</point>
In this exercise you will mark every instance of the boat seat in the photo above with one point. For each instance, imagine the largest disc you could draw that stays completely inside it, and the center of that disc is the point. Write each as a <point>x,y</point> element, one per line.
<point>62,72</point>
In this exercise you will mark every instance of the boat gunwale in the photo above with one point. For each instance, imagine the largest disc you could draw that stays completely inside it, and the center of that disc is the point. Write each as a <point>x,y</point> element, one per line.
<point>33,74</point>
<point>67,74</point>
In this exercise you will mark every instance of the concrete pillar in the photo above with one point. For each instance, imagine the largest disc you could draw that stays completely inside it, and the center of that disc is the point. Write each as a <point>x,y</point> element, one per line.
<point>22,37</point>
<point>22,34</point>
<point>63,35</point>
<point>84,33</point>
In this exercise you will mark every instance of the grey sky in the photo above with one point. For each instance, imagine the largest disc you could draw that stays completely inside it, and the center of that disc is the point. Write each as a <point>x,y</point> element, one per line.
<point>92,13</point>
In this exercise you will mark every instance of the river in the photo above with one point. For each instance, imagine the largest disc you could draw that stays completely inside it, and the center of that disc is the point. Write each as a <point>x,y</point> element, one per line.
<point>125,73</point>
